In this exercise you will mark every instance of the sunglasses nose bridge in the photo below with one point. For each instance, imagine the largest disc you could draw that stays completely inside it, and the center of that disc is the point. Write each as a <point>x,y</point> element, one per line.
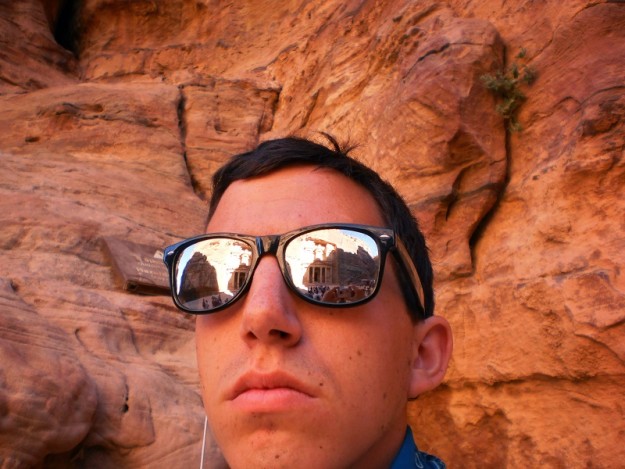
<point>267,244</point>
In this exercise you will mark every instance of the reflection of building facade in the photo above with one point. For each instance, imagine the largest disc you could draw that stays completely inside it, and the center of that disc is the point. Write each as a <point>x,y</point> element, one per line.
<point>232,259</point>
<point>331,258</point>
<point>334,266</point>
<point>238,278</point>
<point>319,273</point>
<point>218,279</point>
<point>319,263</point>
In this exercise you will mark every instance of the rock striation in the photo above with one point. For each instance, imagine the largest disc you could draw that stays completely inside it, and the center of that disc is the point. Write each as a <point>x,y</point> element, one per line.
<point>115,114</point>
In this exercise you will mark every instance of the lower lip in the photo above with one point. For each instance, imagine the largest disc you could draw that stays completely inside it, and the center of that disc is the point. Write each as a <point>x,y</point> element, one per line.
<point>271,400</point>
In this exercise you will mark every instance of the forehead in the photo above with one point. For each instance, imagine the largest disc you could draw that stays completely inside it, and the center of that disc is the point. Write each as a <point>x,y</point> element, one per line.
<point>292,198</point>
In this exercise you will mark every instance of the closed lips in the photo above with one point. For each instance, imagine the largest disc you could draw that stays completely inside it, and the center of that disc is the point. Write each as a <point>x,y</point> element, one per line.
<point>253,381</point>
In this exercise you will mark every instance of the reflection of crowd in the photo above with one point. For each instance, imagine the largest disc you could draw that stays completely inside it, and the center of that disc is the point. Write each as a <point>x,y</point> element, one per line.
<point>213,301</point>
<point>339,293</point>
<point>316,292</point>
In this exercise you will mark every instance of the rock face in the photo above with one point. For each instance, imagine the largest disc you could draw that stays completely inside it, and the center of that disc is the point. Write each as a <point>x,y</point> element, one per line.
<point>120,135</point>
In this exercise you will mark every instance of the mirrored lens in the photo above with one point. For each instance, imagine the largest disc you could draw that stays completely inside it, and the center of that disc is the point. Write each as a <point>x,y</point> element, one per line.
<point>211,272</point>
<point>333,266</point>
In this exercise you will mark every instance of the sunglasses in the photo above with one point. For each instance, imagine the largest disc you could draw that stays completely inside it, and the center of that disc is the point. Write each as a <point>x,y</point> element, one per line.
<point>333,265</point>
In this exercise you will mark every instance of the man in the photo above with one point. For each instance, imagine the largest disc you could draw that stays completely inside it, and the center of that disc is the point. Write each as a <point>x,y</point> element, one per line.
<point>314,293</point>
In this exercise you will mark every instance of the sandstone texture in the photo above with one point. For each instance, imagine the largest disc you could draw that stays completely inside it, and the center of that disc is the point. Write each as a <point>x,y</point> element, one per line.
<point>114,115</point>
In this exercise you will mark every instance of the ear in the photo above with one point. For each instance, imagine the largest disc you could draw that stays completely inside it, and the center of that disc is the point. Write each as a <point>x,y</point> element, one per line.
<point>432,346</point>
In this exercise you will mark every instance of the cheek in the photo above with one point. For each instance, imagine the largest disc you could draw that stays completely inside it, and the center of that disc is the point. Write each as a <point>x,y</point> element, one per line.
<point>370,360</point>
<point>388,365</point>
<point>374,374</point>
<point>203,353</point>
<point>210,348</point>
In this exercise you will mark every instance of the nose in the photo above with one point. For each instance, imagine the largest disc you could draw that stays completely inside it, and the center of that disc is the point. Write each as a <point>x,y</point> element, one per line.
<point>269,311</point>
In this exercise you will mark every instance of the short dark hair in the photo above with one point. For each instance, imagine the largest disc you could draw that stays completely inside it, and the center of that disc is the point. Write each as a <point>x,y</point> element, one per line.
<point>272,155</point>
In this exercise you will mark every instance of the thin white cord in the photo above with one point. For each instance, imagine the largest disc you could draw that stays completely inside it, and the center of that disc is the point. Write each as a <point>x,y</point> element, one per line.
<point>203,443</point>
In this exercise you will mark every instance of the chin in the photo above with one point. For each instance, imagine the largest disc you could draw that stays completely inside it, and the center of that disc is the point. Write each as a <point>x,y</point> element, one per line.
<point>273,457</point>
<point>269,449</point>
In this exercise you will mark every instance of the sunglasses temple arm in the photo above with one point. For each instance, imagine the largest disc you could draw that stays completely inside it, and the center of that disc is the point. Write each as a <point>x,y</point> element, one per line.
<point>410,271</point>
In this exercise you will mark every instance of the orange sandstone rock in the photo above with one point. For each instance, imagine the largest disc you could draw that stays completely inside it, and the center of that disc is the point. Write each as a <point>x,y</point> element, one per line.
<point>119,137</point>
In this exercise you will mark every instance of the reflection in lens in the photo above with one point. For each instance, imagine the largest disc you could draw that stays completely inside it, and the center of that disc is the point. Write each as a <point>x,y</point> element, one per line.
<point>334,265</point>
<point>210,272</point>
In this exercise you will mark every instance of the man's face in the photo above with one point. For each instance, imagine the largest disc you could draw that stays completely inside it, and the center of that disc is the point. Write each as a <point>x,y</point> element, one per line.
<point>286,383</point>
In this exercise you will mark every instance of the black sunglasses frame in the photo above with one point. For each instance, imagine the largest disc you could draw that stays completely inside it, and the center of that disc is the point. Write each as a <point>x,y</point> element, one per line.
<point>385,238</point>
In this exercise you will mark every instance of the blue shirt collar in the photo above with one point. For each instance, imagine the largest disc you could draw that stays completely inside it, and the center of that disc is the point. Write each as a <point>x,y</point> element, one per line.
<point>410,457</point>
